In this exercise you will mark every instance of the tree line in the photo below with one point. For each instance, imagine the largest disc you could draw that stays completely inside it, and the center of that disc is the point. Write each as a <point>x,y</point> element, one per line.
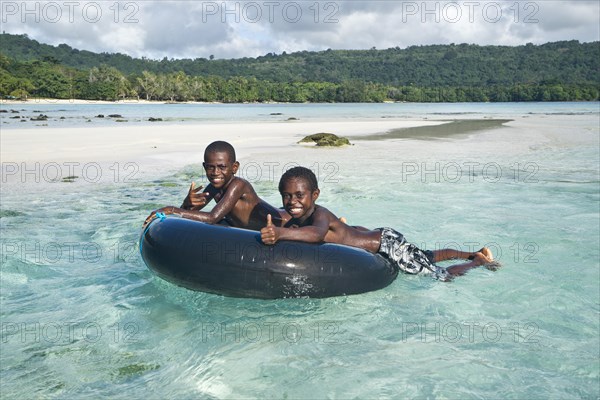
<point>40,79</point>
<point>561,71</point>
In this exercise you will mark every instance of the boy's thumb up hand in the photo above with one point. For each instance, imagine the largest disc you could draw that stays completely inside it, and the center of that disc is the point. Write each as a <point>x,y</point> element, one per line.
<point>269,234</point>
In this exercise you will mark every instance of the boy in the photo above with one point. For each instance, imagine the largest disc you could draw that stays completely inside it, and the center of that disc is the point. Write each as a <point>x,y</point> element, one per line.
<point>237,202</point>
<point>315,224</point>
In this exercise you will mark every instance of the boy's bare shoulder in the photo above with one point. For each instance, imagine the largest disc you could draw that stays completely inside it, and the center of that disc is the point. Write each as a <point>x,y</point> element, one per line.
<point>324,212</point>
<point>243,189</point>
<point>239,184</point>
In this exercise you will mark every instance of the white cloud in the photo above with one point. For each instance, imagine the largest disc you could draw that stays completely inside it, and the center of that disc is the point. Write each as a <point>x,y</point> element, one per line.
<point>129,38</point>
<point>245,28</point>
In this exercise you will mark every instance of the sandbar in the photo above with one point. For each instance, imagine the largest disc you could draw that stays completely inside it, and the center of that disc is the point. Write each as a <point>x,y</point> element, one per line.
<point>180,143</point>
<point>441,130</point>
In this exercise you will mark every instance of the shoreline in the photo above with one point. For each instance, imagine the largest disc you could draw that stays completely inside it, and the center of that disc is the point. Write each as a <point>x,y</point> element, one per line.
<point>164,102</point>
<point>135,142</point>
<point>36,101</point>
<point>43,100</point>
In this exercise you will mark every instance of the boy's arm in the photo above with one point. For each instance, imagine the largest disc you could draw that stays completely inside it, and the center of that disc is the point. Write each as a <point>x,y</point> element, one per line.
<point>226,204</point>
<point>314,233</point>
<point>221,209</point>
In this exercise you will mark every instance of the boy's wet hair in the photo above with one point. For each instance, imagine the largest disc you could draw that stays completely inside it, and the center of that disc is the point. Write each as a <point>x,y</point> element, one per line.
<point>301,173</point>
<point>221,147</point>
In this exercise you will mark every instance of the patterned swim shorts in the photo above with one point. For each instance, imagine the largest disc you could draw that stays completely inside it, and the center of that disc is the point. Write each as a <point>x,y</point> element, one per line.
<point>408,257</point>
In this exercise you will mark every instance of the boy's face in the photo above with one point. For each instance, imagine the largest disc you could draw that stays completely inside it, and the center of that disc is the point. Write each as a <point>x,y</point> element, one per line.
<point>219,168</point>
<point>297,198</point>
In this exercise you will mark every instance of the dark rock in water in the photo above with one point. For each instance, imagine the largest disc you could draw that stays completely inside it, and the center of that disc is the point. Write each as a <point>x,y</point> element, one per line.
<point>276,113</point>
<point>3,111</point>
<point>152,119</point>
<point>14,111</point>
<point>292,119</point>
<point>40,117</point>
<point>15,117</point>
<point>100,116</point>
<point>70,178</point>
<point>326,139</point>
<point>62,118</point>
<point>121,120</point>
<point>115,115</point>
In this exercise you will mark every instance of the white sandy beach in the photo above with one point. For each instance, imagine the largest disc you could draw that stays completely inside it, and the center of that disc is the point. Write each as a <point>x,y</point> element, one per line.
<point>51,153</point>
<point>180,144</point>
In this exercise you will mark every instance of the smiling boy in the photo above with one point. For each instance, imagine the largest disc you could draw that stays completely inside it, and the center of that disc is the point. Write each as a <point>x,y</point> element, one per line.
<point>315,224</point>
<point>237,202</point>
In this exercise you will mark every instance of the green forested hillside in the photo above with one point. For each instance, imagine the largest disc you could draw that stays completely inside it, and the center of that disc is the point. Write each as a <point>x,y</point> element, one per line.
<point>554,71</point>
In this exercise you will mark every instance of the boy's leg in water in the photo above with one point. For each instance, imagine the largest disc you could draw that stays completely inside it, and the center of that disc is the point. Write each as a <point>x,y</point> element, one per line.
<point>479,258</point>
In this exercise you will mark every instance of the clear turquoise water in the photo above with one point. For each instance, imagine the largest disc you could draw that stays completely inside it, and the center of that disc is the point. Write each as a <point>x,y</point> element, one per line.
<point>82,317</point>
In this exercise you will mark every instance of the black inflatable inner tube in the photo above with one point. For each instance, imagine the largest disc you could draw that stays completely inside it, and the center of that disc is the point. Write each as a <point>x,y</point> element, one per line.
<point>234,262</point>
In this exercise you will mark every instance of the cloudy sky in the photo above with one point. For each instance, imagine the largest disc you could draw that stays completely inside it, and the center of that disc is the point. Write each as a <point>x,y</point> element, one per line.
<point>234,29</point>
